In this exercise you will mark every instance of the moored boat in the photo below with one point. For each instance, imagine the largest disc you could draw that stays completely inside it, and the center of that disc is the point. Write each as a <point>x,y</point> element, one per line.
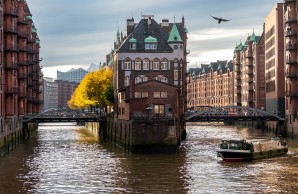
<point>246,150</point>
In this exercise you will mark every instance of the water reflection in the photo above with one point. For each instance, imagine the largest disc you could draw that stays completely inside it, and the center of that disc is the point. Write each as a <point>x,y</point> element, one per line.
<point>63,159</point>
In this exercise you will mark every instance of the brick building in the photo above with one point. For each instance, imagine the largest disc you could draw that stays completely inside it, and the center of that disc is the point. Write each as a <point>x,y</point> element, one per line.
<point>64,91</point>
<point>274,60</point>
<point>249,90</point>
<point>150,80</point>
<point>211,85</point>
<point>21,82</point>
<point>291,70</point>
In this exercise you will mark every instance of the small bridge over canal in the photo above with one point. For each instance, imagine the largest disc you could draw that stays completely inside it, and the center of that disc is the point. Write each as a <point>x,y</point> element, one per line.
<point>64,116</point>
<point>234,113</point>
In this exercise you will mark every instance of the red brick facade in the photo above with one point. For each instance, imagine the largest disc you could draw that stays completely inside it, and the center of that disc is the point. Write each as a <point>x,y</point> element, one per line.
<point>21,78</point>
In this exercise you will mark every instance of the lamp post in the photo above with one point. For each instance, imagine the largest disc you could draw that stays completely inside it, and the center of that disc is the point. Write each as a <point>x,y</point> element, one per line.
<point>149,108</point>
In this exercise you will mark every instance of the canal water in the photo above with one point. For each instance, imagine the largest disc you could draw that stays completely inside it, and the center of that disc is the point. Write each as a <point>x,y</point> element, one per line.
<point>65,159</point>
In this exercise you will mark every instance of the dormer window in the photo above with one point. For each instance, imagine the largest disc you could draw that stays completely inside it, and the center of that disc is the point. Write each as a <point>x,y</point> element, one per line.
<point>150,43</point>
<point>132,43</point>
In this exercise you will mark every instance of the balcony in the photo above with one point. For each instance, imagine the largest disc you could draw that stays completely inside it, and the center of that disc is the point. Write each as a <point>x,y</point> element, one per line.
<point>237,68</point>
<point>291,61</point>
<point>23,33</point>
<point>11,65</point>
<point>11,12</point>
<point>290,32</point>
<point>23,48</point>
<point>291,46</point>
<point>239,91</point>
<point>249,64</point>
<point>250,71</point>
<point>11,48</point>
<point>291,93</point>
<point>291,75</point>
<point>23,63</point>
<point>22,21</point>
<point>250,88</point>
<point>238,84</point>
<point>12,90</point>
<point>237,62</point>
<point>10,29</point>
<point>23,75</point>
<point>22,95</point>
<point>289,1</point>
<point>250,80</point>
<point>187,52</point>
<point>291,19</point>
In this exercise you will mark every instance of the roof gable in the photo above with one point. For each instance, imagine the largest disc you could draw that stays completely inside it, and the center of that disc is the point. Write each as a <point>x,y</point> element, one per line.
<point>174,35</point>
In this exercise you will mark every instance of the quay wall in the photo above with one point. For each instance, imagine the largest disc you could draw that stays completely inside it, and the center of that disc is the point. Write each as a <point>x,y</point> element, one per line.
<point>13,135</point>
<point>143,136</point>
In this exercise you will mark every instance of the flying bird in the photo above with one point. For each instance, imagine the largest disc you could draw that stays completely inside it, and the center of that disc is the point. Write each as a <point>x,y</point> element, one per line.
<point>220,19</point>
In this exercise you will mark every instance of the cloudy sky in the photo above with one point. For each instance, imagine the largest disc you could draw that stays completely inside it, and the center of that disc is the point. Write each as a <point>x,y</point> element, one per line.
<point>76,33</point>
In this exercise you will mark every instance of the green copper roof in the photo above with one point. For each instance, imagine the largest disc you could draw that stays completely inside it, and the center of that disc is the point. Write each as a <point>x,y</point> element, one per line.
<point>150,39</point>
<point>37,40</point>
<point>252,37</point>
<point>132,40</point>
<point>33,29</point>
<point>240,47</point>
<point>174,35</point>
<point>28,17</point>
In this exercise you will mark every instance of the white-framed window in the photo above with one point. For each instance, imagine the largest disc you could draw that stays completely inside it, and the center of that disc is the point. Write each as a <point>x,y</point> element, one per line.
<point>138,80</point>
<point>156,94</point>
<point>153,46</point>
<point>126,81</point>
<point>133,46</point>
<point>164,64</point>
<point>163,94</point>
<point>138,64</point>
<point>164,79</point>
<point>127,64</point>
<point>156,64</point>
<point>144,94</point>
<point>138,95</point>
<point>147,46</point>
<point>146,64</point>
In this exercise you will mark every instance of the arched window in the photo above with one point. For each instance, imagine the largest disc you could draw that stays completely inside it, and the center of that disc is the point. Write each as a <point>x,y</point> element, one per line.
<point>138,64</point>
<point>164,64</point>
<point>146,64</point>
<point>127,64</point>
<point>126,81</point>
<point>164,79</point>
<point>138,80</point>
<point>155,64</point>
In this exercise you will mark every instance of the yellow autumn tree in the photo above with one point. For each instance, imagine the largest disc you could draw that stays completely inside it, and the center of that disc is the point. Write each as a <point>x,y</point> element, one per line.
<point>94,90</point>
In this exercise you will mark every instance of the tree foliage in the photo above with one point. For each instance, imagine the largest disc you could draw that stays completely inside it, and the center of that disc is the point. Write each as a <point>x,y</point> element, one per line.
<point>94,90</point>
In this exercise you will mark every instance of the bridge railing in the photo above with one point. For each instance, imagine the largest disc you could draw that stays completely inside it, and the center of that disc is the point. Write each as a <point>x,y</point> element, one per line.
<point>236,112</point>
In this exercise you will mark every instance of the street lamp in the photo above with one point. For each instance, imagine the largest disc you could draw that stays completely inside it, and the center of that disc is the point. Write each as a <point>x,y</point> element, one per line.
<point>149,108</point>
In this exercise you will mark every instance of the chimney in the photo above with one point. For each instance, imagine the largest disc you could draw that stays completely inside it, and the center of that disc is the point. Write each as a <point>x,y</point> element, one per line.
<point>129,25</point>
<point>165,25</point>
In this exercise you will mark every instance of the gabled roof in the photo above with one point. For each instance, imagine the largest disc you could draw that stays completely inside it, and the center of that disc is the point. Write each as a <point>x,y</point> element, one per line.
<point>223,66</point>
<point>174,35</point>
<point>143,31</point>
